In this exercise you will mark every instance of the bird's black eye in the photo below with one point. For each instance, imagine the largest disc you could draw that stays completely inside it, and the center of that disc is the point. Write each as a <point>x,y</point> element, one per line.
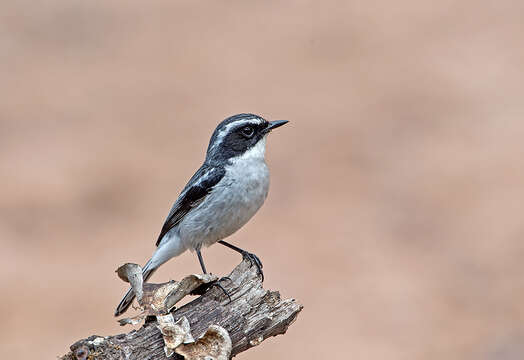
<point>248,131</point>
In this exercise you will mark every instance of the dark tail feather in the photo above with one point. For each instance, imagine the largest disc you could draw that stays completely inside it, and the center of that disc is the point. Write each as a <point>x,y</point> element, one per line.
<point>126,301</point>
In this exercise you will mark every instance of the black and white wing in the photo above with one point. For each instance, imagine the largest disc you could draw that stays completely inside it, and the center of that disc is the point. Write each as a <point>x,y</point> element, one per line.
<point>196,190</point>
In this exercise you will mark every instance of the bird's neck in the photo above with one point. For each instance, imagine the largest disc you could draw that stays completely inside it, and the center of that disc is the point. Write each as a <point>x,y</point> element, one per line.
<point>257,152</point>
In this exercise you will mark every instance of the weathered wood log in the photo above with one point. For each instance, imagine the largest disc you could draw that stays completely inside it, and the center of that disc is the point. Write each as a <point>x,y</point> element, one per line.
<point>252,315</point>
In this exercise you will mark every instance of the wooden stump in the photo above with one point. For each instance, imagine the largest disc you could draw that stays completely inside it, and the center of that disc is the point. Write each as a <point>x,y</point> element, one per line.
<point>252,315</point>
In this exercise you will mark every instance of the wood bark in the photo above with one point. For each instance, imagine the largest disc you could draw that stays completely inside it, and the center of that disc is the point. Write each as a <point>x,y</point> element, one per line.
<point>252,315</point>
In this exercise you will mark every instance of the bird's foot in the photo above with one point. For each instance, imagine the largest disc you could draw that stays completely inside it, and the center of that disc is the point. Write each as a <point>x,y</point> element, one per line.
<point>202,289</point>
<point>253,259</point>
<point>225,278</point>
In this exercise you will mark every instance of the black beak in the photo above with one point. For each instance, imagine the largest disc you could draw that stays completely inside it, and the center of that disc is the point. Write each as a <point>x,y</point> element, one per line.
<point>275,124</point>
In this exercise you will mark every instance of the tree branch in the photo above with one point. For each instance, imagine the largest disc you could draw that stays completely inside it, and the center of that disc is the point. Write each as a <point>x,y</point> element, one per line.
<point>253,315</point>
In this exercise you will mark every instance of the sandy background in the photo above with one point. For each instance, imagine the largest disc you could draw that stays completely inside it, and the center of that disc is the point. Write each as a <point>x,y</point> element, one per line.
<point>396,208</point>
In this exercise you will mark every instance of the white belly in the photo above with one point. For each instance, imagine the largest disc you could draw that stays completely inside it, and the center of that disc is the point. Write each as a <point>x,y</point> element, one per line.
<point>233,201</point>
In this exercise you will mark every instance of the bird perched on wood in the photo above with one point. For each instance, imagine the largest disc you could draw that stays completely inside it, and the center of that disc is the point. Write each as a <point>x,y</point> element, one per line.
<point>224,193</point>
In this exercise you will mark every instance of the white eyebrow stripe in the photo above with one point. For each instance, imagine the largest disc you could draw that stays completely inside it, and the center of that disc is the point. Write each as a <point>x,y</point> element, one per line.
<point>226,129</point>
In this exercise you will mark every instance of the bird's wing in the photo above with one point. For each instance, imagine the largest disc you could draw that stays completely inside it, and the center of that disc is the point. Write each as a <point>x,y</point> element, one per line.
<point>193,194</point>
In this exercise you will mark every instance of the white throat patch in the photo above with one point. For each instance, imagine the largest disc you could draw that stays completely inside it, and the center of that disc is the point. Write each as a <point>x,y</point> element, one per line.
<point>257,152</point>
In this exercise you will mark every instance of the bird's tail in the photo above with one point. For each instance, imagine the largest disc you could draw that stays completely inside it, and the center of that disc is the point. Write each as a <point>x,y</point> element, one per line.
<point>126,301</point>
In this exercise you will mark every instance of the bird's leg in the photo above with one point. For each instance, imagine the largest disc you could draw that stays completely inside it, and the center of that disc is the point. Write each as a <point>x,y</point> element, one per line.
<point>201,260</point>
<point>253,259</point>
<point>203,288</point>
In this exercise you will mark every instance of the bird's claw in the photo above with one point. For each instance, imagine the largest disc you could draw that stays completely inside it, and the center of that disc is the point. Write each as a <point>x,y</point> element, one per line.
<point>216,283</point>
<point>253,259</point>
<point>202,289</point>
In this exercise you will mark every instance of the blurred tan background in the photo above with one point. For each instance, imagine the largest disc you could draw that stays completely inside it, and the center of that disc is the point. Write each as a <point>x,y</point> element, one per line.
<point>396,208</point>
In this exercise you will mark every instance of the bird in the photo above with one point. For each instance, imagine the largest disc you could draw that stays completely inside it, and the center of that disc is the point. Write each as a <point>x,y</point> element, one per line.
<point>221,197</point>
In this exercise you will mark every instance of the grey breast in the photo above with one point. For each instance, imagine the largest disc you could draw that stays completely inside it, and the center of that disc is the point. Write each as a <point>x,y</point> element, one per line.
<point>233,201</point>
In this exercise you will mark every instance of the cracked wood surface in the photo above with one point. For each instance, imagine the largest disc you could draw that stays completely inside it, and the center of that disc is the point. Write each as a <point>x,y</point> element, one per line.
<point>253,315</point>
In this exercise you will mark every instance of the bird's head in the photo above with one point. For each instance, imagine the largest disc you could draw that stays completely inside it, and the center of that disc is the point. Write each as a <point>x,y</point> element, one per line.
<point>240,136</point>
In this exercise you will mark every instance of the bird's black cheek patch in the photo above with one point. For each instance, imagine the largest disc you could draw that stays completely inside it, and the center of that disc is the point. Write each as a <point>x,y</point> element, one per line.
<point>235,144</point>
